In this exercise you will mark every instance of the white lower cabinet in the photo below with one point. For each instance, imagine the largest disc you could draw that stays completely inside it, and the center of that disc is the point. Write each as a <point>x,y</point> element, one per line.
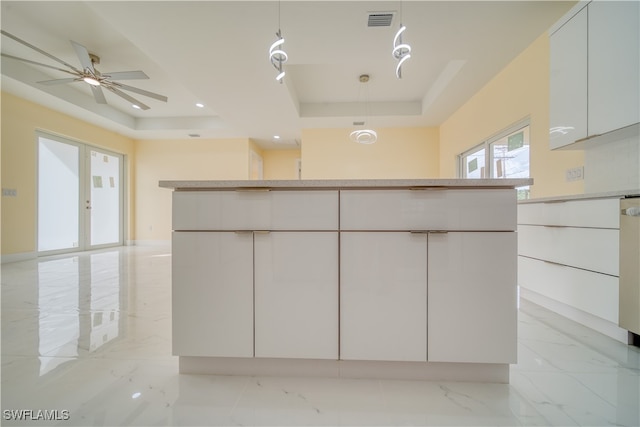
<point>212,294</point>
<point>296,295</point>
<point>591,292</point>
<point>592,249</point>
<point>383,296</point>
<point>472,297</point>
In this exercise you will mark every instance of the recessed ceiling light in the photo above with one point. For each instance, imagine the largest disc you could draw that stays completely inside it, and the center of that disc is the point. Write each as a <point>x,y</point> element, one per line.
<point>200,105</point>
<point>276,136</point>
<point>137,107</point>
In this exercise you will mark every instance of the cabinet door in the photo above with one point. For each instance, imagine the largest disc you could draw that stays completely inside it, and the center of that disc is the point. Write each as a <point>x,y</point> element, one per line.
<point>472,297</point>
<point>212,294</point>
<point>383,296</point>
<point>296,285</point>
<point>568,84</point>
<point>614,56</point>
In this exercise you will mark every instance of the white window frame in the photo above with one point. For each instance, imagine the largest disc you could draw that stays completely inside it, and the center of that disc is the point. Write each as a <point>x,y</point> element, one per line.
<point>487,145</point>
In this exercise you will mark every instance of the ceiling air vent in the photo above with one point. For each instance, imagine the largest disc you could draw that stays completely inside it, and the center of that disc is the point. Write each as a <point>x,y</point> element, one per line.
<point>380,19</point>
<point>358,123</point>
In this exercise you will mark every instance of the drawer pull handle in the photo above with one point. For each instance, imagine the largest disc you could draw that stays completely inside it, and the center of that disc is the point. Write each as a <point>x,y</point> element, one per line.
<point>253,190</point>
<point>262,232</point>
<point>554,263</point>
<point>434,188</point>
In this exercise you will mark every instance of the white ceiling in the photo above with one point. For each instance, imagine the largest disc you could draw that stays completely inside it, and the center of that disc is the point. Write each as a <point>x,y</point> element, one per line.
<point>216,53</point>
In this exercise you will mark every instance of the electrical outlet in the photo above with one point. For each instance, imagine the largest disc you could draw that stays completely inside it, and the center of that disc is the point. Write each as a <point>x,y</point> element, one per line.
<point>574,174</point>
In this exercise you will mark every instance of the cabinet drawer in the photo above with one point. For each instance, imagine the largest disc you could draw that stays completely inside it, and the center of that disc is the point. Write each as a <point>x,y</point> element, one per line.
<point>255,210</point>
<point>601,213</point>
<point>491,209</point>
<point>594,249</point>
<point>591,292</point>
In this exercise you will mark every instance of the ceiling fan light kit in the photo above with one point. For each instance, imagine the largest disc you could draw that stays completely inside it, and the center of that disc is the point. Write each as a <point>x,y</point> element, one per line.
<point>90,75</point>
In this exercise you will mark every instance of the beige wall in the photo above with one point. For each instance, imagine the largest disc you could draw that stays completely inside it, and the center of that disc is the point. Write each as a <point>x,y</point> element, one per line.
<point>280,164</point>
<point>190,159</point>
<point>520,90</point>
<point>398,153</point>
<point>20,121</point>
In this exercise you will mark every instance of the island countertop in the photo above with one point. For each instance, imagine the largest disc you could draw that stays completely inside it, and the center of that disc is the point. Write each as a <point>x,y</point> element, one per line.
<point>195,185</point>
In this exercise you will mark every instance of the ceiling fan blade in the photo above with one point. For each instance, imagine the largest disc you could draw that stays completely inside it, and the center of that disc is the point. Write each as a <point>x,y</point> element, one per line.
<point>131,99</point>
<point>37,63</point>
<point>58,81</point>
<point>29,45</point>
<point>83,56</point>
<point>126,75</point>
<point>141,92</point>
<point>98,94</point>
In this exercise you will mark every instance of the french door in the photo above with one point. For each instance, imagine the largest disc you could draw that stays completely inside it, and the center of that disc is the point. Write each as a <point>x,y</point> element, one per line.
<point>80,196</point>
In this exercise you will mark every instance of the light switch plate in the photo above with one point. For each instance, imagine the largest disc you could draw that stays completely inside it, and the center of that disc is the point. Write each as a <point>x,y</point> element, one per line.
<point>574,174</point>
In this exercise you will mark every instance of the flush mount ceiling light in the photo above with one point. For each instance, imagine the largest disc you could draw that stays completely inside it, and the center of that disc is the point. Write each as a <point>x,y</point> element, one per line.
<point>363,135</point>
<point>401,51</point>
<point>277,55</point>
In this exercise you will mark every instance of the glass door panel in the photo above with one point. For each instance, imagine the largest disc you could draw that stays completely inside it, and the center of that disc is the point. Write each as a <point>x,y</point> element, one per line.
<point>104,200</point>
<point>80,196</point>
<point>58,195</point>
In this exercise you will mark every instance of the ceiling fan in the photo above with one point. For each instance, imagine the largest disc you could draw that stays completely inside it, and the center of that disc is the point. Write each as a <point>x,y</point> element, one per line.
<point>90,75</point>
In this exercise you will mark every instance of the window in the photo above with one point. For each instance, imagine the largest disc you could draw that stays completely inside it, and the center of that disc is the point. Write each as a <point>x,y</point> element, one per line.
<point>508,157</point>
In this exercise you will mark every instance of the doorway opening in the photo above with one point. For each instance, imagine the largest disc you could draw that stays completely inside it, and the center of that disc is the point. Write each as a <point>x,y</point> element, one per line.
<point>80,196</point>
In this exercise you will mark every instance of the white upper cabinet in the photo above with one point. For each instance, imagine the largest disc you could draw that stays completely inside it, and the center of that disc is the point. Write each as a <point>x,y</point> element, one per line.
<point>568,84</point>
<point>594,69</point>
<point>614,71</point>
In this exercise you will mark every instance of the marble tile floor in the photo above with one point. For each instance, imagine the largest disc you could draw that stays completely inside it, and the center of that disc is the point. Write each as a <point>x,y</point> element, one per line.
<point>91,334</point>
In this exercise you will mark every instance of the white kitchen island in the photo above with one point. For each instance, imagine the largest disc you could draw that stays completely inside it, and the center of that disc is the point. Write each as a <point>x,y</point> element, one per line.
<point>352,278</point>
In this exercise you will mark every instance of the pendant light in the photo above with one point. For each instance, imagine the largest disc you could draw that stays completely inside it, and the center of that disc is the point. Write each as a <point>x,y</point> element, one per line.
<point>401,51</point>
<point>363,135</point>
<point>277,55</point>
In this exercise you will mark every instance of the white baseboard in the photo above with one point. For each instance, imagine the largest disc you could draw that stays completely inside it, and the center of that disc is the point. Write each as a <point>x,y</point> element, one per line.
<point>148,242</point>
<point>430,371</point>
<point>23,256</point>
<point>596,323</point>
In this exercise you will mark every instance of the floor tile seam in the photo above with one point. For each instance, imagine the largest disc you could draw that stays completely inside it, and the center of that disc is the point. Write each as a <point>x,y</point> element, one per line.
<point>560,370</point>
<point>548,400</point>
<point>582,344</point>
<point>570,335</point>
<point>596,393</point>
